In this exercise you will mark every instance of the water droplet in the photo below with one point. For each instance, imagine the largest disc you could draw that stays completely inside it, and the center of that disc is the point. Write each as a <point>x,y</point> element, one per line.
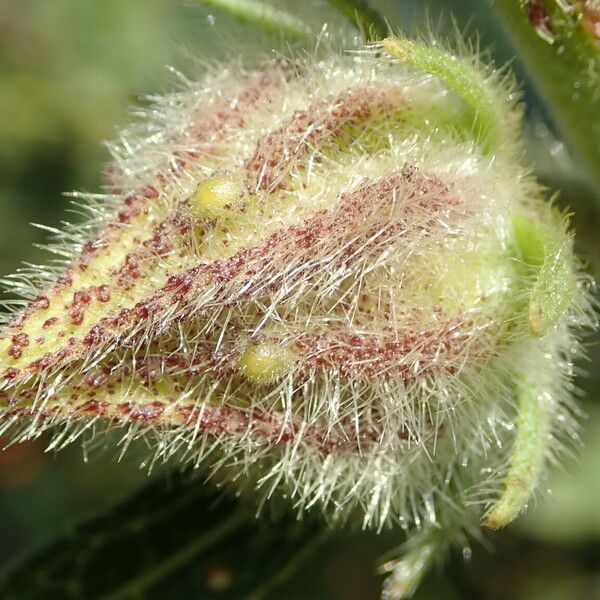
<point>211,20</point>
<point>556,148</point>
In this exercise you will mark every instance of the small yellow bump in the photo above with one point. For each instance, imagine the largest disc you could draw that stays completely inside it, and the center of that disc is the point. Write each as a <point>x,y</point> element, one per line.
<point>213,195</point>
<point>265,362</point>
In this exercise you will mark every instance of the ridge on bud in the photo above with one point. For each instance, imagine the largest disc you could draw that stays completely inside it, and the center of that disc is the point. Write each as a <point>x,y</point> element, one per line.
<point>333,272</point>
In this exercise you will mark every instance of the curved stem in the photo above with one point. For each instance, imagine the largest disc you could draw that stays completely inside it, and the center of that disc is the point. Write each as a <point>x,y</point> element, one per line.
<point>528,453</point>
<point>492,115</point>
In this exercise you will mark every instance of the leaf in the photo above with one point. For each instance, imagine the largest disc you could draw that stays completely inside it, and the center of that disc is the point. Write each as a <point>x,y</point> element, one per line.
<point>549,261</point>
<point>142,544</point>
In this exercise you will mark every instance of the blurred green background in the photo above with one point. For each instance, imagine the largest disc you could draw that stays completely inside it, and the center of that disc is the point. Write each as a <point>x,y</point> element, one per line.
<point>70,70</point>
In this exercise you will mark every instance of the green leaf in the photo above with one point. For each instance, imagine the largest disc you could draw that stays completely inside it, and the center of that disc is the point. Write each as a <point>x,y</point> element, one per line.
<point>552,293</point>
<point>140,546</point>
<point>550,263</point>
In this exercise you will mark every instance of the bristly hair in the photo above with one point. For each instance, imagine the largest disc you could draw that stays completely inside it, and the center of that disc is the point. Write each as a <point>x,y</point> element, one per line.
<point>326,276</point>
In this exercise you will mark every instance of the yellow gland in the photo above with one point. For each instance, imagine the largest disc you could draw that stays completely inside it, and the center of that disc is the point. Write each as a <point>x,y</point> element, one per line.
<point>214,195</point>
<point>265,362</point>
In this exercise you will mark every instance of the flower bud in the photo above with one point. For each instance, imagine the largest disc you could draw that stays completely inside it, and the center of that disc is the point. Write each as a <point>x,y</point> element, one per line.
<point>336,272</point>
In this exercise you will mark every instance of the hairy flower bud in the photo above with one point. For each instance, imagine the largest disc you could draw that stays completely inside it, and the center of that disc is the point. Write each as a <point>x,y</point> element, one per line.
<point>330,276</point>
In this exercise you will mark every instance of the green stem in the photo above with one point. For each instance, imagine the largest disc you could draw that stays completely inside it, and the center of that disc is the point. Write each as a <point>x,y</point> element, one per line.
<point>564,61</point>
<point>273,21</point>
<point>363,17</point>
<point>527,455</point>
<point>492,115</point>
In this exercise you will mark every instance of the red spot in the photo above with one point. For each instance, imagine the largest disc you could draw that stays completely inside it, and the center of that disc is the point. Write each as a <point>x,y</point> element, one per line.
<point>130,271</point>
<point>19,342</point>
<point>21,339</point>
<point>142,412</point>
<point>96,335</point>
<point>539,18</point>
<point>41,302</point>
<point>15,352</point>
<point>149,192</point>
<point>81,300</point>
<point>92,247</point>
<point>49,360</point>
<point>93,407</point>
<point>97,379</point>
<point>65,280</point>
<point>536,13</point>
<point>49,322</point>
<point>103,293</point>
<point>11,374</point>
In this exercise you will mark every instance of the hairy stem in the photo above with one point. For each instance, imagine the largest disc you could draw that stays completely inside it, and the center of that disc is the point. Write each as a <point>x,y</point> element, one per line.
<point>272,21</point>
<point>562,54</point>
<point>527,456</point>
<point>466,80</point>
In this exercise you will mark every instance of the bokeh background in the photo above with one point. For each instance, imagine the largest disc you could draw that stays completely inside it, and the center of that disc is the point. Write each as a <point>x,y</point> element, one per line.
<point>70,73</point>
